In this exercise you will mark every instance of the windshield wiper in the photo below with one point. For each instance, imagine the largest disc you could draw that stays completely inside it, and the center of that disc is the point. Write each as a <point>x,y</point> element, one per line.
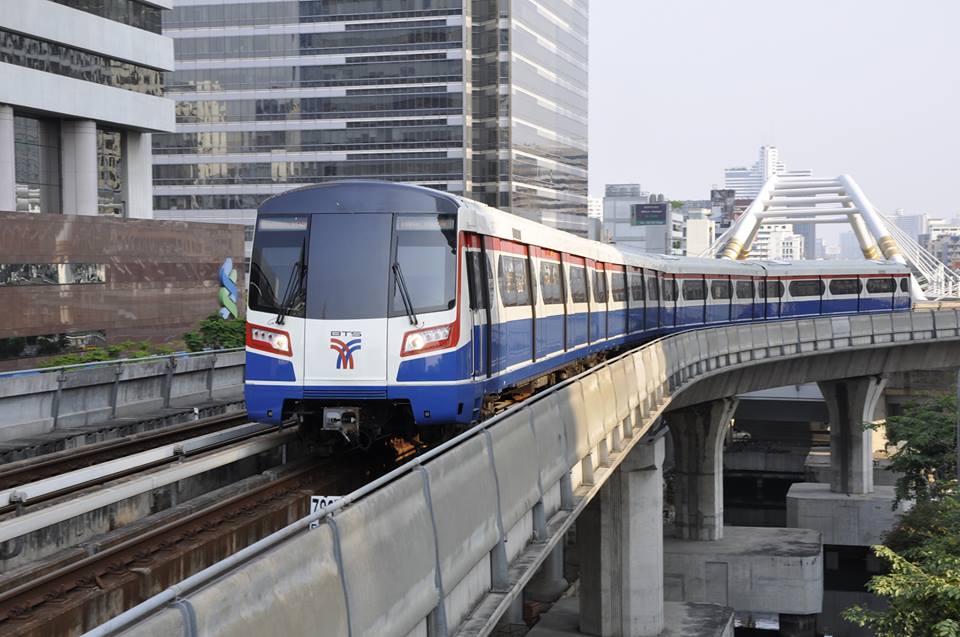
<point>404,294</point>
<point>294,290</point>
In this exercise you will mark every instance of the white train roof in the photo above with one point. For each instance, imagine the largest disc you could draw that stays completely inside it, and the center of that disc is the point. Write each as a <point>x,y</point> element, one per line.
<point>483,219</point>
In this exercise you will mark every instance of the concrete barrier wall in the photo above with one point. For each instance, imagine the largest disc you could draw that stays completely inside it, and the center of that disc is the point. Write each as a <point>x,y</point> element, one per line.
<point>446,545</point>
<point>36,402</point>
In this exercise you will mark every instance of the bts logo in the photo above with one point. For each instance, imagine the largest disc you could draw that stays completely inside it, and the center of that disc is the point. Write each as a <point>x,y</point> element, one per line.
<point>344,348</point>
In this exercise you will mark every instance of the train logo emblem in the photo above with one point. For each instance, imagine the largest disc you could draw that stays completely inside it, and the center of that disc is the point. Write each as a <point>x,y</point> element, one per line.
<point>344,351</point>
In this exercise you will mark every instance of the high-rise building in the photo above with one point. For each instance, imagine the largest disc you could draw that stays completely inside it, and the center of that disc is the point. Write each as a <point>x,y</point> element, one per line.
<point>595,207</point>
<point>779,242</point>
<point>747,182</point>
<point>913,225</point>
<point>698,235</point>
<point>636,219</point>
<point>81,91</point>
<point>483,99</point>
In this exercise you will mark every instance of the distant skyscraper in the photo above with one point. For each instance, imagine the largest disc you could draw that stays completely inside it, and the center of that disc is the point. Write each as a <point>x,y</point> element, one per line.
<point>779,242</point>
<point>913,225</point>
<point>483,99</point>
<point>595,207</point>
<point>747,182</point>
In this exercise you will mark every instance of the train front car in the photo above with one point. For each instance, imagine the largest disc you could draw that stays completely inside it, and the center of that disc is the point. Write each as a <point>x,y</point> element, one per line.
<point>354,285</point>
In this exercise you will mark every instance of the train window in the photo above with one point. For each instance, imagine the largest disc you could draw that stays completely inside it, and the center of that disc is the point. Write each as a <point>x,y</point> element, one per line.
<point>774,289</point>
<point>474,282</point>
<point>845,286</point>
<point>426,257</point>
<point>721,289</point>
<point>599,287</point>
<point>904,286</point>
<point>636,287</point>
<point>806,288</point>
<point>550,286</point>
<point>881,286</point>
<point>669,287</point>
<point>618,286</point>
<point>694,290</point>
<point>653,291</point>
<point>278,256</point>
<point>513,281</point>
<point>745,289</point>
<point>578,285</point>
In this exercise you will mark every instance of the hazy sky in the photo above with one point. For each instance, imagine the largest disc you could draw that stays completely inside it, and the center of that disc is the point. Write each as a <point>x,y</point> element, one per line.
<point>680,89</point>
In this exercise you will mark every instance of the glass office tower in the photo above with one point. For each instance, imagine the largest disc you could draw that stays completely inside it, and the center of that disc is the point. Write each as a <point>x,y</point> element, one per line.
<point>486,99</point>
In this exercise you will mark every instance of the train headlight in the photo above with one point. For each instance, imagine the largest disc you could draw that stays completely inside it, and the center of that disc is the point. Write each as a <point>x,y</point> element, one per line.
<point>431,338</point>
<point>268,340</point>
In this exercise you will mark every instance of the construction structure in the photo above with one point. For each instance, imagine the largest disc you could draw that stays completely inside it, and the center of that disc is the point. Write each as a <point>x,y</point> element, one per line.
<point>813,200</point>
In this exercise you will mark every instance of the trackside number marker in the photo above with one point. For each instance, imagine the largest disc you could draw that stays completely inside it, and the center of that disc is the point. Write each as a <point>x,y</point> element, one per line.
<point>320,502</point>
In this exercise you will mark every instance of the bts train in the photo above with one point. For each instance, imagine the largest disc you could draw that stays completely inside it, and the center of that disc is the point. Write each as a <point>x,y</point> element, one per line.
<point>375,305</point>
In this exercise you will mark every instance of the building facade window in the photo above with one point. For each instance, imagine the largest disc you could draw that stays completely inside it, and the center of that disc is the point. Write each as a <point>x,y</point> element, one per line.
<point>129,12</point>
<point>110,172</point>
<point>49,344</point>
<point>52,273</point>
<point>37,164</point>
<point>41,55</point>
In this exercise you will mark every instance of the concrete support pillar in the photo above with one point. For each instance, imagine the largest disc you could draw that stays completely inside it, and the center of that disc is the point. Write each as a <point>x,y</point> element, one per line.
<point>698,433</point>
<point>137,175</point>
<point>620,542</point>
<point>548,584</point>
<point>8,170</point>
<point>79,167</point>
<point>851,403</point>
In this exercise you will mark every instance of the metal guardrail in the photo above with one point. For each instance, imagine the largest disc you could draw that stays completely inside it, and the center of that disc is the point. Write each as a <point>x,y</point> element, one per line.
<point>37,401</point>
<point>449,539</point>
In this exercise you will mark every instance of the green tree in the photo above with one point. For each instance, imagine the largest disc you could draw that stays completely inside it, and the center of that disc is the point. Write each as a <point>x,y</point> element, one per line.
<point>926,455</point>
<point>924,597</point>
<point>216,333</point>
<point>923,549</point>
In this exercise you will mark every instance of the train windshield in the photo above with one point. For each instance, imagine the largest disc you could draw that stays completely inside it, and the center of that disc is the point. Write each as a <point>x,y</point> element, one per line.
<point>349,266</point>
<point>276,269</point>
<point>426,262</point>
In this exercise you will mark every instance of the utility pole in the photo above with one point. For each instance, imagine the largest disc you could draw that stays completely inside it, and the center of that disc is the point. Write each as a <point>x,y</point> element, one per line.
<point>958,428</point>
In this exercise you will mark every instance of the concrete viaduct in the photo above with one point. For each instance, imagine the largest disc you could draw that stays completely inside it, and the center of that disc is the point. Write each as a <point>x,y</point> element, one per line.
<point>447,544</point>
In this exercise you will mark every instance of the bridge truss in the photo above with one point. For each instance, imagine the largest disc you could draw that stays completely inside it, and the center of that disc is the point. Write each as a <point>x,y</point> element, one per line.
<point>794,200</point>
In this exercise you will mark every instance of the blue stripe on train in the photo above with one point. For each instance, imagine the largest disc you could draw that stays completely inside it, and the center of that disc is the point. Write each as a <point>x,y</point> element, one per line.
<point>261,367</point>
<point>456,403</point>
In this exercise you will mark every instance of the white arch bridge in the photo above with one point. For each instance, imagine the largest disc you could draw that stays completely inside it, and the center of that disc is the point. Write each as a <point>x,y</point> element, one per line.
<point>799,200</point>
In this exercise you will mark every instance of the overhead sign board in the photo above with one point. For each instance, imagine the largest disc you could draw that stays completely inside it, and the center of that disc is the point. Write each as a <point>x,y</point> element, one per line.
<point>649,214</point>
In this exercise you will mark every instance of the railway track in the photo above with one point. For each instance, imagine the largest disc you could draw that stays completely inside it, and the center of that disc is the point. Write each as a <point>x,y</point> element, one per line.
<point>77,591</point>
<point>33,469</point>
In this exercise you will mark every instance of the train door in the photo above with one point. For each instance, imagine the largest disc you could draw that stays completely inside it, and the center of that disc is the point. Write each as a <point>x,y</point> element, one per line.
<point>577,308</point>
<point>652,311</point>
<point>478,281</point>
<point>566,301</point>
<point>532,278</point>
<point>668,300</point>
<point>861,301</point>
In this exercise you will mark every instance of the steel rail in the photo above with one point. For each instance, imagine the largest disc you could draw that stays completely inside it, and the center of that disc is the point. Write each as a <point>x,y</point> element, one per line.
<point>22,471</point>
<point>36,520</point>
